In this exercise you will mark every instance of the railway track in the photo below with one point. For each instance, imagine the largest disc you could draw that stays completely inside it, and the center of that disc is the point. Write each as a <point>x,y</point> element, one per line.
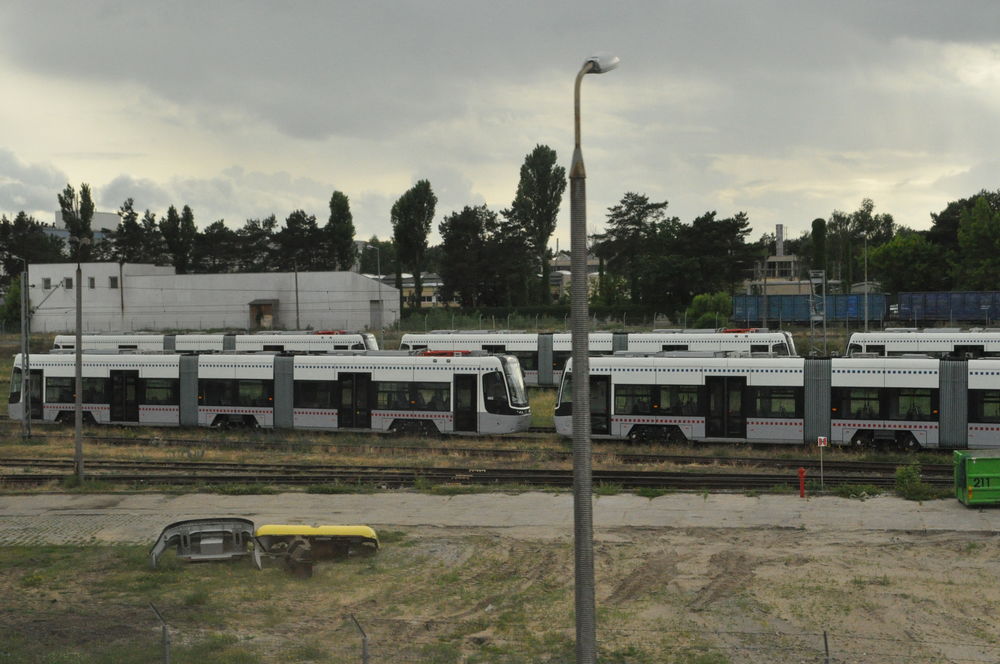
<point>871,467</point>
<point>149,473</point>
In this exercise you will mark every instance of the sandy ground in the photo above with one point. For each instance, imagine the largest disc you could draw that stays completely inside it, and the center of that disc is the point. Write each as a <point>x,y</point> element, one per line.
<point>743,579</point>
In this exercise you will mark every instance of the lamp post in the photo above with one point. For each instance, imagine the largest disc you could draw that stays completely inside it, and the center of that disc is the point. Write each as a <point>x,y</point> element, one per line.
<point>583,517</point>
<point>381,302</point>
<point>78,409</point>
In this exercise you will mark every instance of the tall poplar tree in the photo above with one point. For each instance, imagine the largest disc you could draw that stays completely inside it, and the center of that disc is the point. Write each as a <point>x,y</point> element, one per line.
<point>77,215</point>
<point>179,233</point>
<point>339,233</point>
<point>536,205</point>
<point>128,238</point>
<point>411,218</point>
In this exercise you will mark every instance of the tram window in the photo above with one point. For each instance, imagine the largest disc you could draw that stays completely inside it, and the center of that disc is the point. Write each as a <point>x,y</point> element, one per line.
<point>527,359</point>
<point>59,390</point>
<point>634,399</point>
<point>465,400</point>
<point>215,392</point>
<point>912,404</point>
<point>559,358</point>
<point>315,393</point>
<point>432,396</point>
<point>159,391</point>
<point>95,390</point>
<point>14,396</point>
<point>254,393</point>
<point>863,404</point>
<point>678,400</point>
<point>392,395</point>
<point>984,405</point>
<point>494,391</point>
<point>777,402</point>
<point>780,348</point>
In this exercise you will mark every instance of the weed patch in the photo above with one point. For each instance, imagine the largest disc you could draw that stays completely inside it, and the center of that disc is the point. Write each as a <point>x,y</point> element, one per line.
<point>910,485</point>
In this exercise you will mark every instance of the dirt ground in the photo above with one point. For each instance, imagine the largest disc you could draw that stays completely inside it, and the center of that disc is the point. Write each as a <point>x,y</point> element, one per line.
<point>440,594</point>
<point>767,595</point>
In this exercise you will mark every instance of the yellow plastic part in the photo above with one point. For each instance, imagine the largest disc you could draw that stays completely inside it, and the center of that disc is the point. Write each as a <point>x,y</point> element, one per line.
<point>317,531</point>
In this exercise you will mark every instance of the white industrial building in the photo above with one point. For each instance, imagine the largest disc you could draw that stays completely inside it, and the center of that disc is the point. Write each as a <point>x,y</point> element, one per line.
<point>138,297</point>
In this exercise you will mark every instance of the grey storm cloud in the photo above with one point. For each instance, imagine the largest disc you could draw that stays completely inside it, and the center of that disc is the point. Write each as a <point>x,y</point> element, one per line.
<point>146,194</point>
<point>28,186</point>
<point>785,109</point>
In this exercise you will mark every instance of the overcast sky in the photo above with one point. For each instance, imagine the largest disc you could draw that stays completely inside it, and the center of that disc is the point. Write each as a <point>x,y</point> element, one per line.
<point>785,110</point>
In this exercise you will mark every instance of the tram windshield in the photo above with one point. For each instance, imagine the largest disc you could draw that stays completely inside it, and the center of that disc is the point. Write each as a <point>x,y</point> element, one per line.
<point>15,386</point>
<point>515,381</point>
<point>566,389</point>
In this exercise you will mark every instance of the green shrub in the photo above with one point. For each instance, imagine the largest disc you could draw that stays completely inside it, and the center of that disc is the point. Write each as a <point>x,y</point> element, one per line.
<point>910,486</point>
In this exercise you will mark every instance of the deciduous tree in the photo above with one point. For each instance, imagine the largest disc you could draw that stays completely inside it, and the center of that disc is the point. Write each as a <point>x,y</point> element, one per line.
<point>339,233</point>
<point>77,214</point>
<point>411,218</point>
<point>979,242</point>
<point>463,243</point>
<point>179,233</point>
<point>908,262</point>
<point>536,205</point>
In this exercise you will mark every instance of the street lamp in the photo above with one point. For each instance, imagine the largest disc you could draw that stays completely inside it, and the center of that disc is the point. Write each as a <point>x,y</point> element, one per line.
<point>80,243</point>
<point>583,516</point>
<point>381,302</point>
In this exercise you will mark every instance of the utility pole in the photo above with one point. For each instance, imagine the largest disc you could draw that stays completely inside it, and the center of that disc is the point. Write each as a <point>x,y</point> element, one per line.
<point>295,266</point>
<point>25,352</point>
<point>78,410</point>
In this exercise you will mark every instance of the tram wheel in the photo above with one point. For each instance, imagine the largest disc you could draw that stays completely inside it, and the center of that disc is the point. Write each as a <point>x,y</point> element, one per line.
<point>861,441</point>
<point>910,443</point>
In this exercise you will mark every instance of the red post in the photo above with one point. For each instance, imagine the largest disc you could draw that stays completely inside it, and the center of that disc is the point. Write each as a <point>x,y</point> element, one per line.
<point>802,482</point>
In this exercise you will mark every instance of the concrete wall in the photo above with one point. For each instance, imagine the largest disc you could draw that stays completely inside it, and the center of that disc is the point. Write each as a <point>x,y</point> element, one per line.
<point>152,297</point>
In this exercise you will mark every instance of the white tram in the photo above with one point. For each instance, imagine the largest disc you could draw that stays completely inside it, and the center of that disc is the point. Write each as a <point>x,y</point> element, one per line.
<point>474,393</point>
<point>939,342</point>
<point>543,355</point>
<point>906,402</point>
<point>288,342</point>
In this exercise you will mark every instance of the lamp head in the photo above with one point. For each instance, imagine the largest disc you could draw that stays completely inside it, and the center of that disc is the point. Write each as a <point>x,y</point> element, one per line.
<point>602,62</point>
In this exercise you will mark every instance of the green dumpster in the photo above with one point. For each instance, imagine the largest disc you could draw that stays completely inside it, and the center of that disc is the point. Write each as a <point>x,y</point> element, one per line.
<point>977,477</point>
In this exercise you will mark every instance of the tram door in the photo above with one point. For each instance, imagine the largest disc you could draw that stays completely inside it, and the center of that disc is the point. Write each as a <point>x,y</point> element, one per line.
<point>35,390</point>
<point>124,396</point>
<point>466,417</point>
<point>355,410</point>
<point>600,404</point>
<point>725,407</point>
